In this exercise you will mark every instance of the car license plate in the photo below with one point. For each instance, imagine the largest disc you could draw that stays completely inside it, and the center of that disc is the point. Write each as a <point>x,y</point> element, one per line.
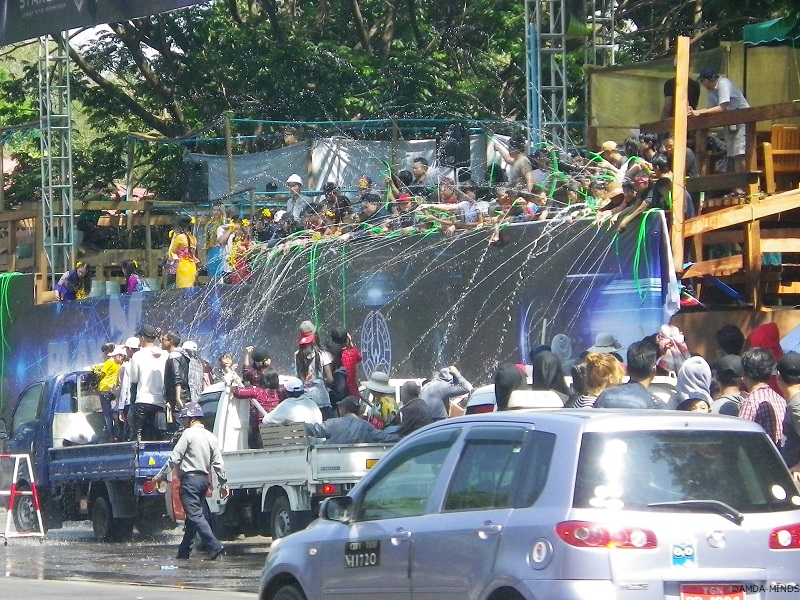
<point>713,591</point>
<point>362,554</point>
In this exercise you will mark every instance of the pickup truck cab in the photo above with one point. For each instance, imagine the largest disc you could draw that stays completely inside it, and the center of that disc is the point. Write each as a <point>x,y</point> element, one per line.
<point>105,482</point>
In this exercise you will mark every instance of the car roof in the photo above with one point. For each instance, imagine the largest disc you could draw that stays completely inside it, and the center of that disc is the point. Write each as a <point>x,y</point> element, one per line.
<point>611,420</point>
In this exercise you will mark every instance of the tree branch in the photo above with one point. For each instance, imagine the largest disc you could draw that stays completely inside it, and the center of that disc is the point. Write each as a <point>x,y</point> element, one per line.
<point>272,12</point>
<point>360,28</point>
<point>166,128</point>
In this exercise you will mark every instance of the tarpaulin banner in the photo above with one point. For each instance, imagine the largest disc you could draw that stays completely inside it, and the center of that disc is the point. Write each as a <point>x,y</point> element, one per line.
<point>413,303</point>
<point>27,19</point>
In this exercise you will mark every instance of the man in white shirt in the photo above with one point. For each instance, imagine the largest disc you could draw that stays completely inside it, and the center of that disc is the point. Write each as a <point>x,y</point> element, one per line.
<point>146,373</point>
<point>297,408</point>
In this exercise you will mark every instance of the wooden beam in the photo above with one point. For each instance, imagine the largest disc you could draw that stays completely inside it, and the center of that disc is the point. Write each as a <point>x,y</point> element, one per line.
<point>17,215</point>
<point>679,152</point>
<point>752,260</point>
<point>736,215</point>
<point>717,266</point>
<point>721,181</point>
<point>769,112</point>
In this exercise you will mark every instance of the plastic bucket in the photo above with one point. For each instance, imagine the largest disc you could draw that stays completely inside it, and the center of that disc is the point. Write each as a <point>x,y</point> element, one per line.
<point>113,288</point>
<point>98,288</point>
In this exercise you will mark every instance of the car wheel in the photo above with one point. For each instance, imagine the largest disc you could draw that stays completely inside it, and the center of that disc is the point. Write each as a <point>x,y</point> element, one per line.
<point>288,592</point>
<point>280,517</point>
<point>25,519</point>
<point>105,527</point>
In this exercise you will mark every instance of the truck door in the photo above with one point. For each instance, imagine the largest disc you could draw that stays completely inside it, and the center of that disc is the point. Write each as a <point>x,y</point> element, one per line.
<point>30,431</point>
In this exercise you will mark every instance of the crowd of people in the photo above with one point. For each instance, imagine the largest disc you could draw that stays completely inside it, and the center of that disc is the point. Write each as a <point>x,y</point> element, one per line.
<point>748,377</point>
<point>146,381</point>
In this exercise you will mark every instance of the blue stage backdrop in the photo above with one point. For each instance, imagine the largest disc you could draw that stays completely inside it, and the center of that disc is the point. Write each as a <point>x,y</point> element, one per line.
<point>415,302</point>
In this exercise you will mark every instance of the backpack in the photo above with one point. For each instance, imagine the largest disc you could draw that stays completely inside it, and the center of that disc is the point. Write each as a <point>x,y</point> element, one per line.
<point>196,377</point>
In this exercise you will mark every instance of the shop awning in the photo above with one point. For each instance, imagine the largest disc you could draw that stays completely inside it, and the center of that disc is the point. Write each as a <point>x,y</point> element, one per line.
<point>775,32</point>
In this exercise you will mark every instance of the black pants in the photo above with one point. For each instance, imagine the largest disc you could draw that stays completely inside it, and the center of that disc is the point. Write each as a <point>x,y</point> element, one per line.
<point>143,421</point>
<point>193,497</point>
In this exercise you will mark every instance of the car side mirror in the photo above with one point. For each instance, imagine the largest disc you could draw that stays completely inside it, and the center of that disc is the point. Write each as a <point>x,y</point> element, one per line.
<point>337,508</point>
<point>3,430</point>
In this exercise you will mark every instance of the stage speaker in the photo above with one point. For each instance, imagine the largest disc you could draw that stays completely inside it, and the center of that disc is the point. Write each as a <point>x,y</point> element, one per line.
<point>194,182</point>
<point>454,146</point>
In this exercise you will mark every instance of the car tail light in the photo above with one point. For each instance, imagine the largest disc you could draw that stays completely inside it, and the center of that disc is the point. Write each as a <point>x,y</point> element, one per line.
<point>785,538</point>
<point>327,489</point>
<point>148,487</point>
<point>582,534</point>
<point>480,409</point>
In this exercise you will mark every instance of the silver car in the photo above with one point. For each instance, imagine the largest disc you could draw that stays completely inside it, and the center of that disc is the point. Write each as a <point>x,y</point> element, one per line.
<point>557,505</point>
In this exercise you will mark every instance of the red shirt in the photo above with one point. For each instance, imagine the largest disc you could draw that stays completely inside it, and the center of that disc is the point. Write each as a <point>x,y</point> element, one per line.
<point>268,399</point>
<point>350,359</point>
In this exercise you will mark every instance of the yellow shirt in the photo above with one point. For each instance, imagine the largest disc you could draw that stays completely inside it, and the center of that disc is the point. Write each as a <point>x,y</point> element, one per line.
<point>107,372</point>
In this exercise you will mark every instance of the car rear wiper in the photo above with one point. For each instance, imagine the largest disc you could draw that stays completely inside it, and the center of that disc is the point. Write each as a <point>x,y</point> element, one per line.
<point>714,506</point>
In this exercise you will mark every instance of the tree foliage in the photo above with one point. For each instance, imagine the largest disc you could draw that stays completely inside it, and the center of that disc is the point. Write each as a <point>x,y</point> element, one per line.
<point>303,60</point>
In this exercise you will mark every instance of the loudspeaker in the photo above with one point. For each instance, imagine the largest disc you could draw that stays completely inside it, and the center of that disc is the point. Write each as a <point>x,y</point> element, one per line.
<point>194,182</point>
<point>454,146</point>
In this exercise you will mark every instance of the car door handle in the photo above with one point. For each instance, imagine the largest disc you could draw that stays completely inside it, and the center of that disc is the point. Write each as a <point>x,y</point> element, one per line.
<point>488,529</point>
<point>399,536</point>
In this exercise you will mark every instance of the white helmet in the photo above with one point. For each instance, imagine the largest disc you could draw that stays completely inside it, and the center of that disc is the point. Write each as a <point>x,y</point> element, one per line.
<point>294,178</point>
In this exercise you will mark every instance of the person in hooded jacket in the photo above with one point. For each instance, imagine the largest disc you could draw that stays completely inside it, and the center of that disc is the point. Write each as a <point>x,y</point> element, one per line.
<point>561,346</point>
<point>445,384</point>
<point>548,375</point>
<point>768,336</point>
<point>176,377</point>
<point>694,382</point>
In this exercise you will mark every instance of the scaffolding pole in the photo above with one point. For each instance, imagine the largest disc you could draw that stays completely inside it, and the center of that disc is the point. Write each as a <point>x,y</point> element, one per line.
<point>55,114</point>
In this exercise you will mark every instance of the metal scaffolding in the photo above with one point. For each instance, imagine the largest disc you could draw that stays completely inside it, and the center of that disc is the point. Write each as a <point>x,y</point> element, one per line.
<point>547,25</point>
<point>55,115</point>
<point>600,48</point>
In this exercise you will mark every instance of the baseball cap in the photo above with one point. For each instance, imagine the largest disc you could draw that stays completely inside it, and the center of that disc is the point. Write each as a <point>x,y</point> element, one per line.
<point>306,337</point>
<point>308,327</point>
<point>293,384</point>
<point>789,365</point>
<point>190,346</point>
<point>365,182</point>
<point>447,181</point>
<point>132,342</point>
<point>259,355</point>
<point>329,187</point>
<point>729,367</point>
<point>147,331</point>
<point>708,74</point>
<point>609,146</point>
<point>405,198</point>
<point>118,351</point>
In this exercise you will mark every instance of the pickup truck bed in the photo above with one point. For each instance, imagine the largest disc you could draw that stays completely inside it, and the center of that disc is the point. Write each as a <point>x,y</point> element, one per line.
<point>100,462</point>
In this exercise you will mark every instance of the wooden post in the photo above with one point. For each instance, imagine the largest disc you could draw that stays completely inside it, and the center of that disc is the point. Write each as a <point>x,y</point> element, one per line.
<point>229,150</point>
<point>752,261</point>
<point>679,151</point>
<point>148,239</point>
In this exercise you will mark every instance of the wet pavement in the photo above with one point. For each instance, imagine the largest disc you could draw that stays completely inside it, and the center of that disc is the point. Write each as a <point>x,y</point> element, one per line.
<point>71,554</point>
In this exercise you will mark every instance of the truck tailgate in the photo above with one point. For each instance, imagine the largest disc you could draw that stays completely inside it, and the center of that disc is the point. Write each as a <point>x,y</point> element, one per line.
<point>348,463</point>
<point>108,461</point>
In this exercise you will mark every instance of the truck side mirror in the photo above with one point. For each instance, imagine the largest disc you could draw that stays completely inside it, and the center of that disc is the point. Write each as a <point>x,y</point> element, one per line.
<point>3,430</point>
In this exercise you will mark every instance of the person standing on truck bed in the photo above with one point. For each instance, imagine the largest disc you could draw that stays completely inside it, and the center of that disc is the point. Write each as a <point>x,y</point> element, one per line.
<point>107,381</point>
<point>176,377</point>
<point>196,449</point>
<point>147,385</point>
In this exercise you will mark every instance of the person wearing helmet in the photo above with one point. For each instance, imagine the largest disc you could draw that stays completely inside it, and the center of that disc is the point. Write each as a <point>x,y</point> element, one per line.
<point>196,449</point>
<point>297,202</point>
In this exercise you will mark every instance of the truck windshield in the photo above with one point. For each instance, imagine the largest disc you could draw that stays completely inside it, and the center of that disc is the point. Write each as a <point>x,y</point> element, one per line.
<point>658,470</point>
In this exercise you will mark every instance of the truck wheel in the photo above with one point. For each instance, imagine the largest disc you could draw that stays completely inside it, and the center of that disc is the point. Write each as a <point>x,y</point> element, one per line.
<point>25,519</point>
<point>288,592</point>
<point>280,517</point>
<point>106,528</point>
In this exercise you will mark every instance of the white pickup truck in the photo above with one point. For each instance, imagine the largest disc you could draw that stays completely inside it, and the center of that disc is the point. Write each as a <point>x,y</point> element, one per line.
<point>277,489</point>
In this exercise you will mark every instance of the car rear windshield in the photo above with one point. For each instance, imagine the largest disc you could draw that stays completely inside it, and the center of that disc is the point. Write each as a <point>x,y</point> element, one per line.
<point>638,470</point>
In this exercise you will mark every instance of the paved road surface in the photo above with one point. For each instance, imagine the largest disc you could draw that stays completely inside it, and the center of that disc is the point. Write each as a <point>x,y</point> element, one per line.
<point>14,587</point>
<point>70,554</point>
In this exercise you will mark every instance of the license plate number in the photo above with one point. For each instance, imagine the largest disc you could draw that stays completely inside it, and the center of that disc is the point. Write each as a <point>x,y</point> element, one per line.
<point>362,554</point>
<point>711,591</point>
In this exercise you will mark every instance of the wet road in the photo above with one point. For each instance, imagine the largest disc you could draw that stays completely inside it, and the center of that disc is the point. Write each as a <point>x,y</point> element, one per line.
<point>70,554</point>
